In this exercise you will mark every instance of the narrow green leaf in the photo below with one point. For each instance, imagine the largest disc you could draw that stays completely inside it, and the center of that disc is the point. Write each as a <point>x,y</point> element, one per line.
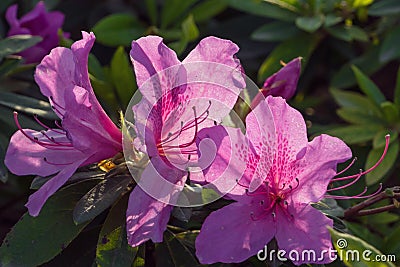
<point>174,253</point>
<point>397,89</point>
<point>100,198</point>
<point>275,31</point>
<point>357,33</point>
<point>390,46</point>
<point>27,105</point>
<point>122,76</point>
<point>391,111</point>
<point>309,24</point>
<point>264,9</point>
<point>3,168</point>
<point>392,241</point>
<point>362,3</point>
<point>189,29</point>
<point>9,65</point>
<point>379,172</point>
<point>379,139</point>
<point>367,62</point>
<point>173,10</point>
<point>359,116</point>
<point>48,234</point>
<point>118,29</point>
<point>368,86</point>
<point>112,245</point>
<point>17,43</point>
<point>349,247</point>
<point>384,8</point>
<point>340,32</point>
<point>348,99</point>
<point>299,46</point>
<point>355,134</point>
<point>207,9</point>
<point>331,20</point>
<point>151,6</point>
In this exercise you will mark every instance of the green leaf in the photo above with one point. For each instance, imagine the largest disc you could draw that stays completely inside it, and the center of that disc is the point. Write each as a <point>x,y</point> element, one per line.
<point>275,31</point>
<point>355,100</point>
<point>122,76</point>
<point>173,252</point>
<point>363,232</point>
<point>48,233</point>
<point>27,105</point>
<point>309,24</point>
<point>38,181</point>
<point>100,197</point>
<point>173,10</point>
<point>112,245</point>
<point>118,29</point>
<point>380,140</point>
<point>397,89</point>
<point>392,241</point>
<point>207,9</point>
<point>189,29</point>
<point>9,65</point>
<point>391,111</point>
<point>151,6</point>
<point>390,46</point>
<point>357,33</point>
<point>331,20</point>
<point>17,43</point>
<point>367,62</point>
<point>359,116</point>
<point>340,32</point>
<point>368,86</point>
<point>384,8</point>
<point>355,134</point>
<point>374,155</point>
<point>362,3</point>
<point>299,46</point>
<point>349,246</point>
<point>3,168</point>
<point>264,9</point>
<point>329,206</point>
<point>182,214</point>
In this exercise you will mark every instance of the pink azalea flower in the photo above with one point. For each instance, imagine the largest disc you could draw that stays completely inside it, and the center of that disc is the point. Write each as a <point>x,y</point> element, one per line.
<point>282,83</point>
<point>37,22</point>
<point>284,173</point>
<point>179,99</point>
<point>86,134</point>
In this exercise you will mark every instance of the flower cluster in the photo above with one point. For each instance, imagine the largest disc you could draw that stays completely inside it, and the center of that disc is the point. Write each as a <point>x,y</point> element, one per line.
<point>272,173</point>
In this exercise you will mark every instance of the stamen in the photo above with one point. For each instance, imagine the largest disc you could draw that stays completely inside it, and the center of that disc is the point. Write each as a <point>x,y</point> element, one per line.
<point>348,167</point>
<point>54,141</point>
<point>346,185</point>
<point>387,137</point>
<point>56,164</point>
<point>358,196</point>
<point>45,126</point>
<point>36,140</point>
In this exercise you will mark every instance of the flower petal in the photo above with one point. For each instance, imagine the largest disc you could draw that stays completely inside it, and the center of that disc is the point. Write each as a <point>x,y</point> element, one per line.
<point>318,167</point>
<point>37,199</point>
<point>25,157</point>
<point>223,156</point>
<point>230,235</point>
<point>260,129</point>
<point>290,127</point>
<point>146,218</point>
<point>149,56</point>
<point>307,231</point>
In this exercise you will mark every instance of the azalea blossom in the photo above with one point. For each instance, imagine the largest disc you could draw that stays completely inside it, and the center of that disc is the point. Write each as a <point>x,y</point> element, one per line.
<point>86,134</point>
<point>37,22</point>
<point>282,83</point>
<point>284,174</point>
<point>179,99</point>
